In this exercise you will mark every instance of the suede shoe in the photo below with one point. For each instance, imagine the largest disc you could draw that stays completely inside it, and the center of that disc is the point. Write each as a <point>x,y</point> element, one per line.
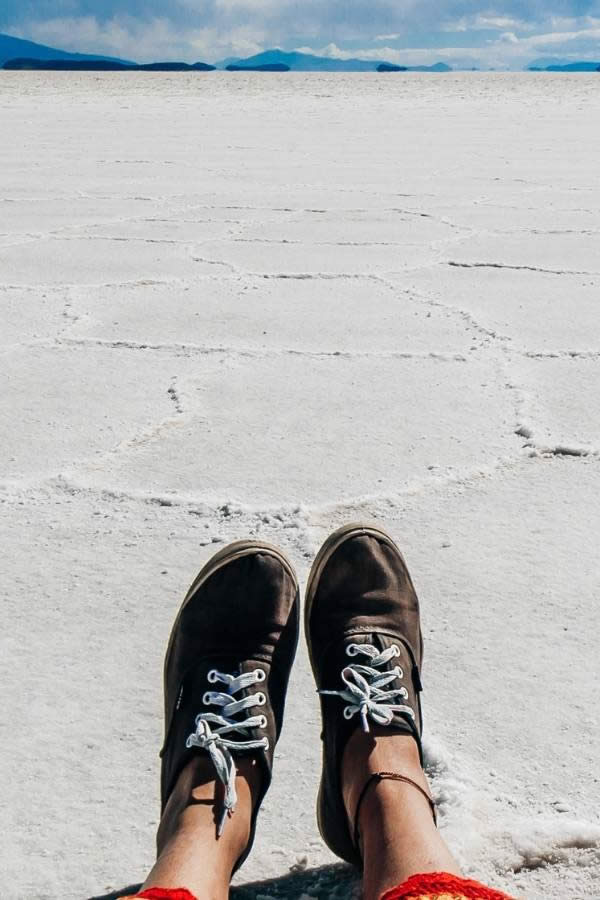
<point>227,667</point>
<point>365,645</point>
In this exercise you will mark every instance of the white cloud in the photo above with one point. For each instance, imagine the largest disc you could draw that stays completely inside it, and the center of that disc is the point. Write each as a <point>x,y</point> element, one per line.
<point>508,37</point>
<point>157,39</point>
<point>506,51</point>
<point>413,56</point>
<point>499,22</point>
<point>335,52</point>
<point>487,23</point>
<point>563,39</point>
<point>388,37</point>
<point>569,23</point>
<point>259,7</point>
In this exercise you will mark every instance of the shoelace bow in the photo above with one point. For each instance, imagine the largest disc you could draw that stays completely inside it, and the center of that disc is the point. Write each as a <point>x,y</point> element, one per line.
<point>364,692</point>
<point>211,738</point>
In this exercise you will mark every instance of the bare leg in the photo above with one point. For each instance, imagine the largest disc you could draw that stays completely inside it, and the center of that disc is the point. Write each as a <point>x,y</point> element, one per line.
<point>189,853</point>
<point>397,831</point>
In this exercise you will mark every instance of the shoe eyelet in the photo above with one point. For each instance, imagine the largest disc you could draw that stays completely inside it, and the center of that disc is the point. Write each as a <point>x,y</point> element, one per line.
<point>261,699</point>
<point>267,745</point>
<point>351,650</point>
<point>396,649</point>
<point>263,722</point>
<point>207,698</point>
<point>405,693</point>
<point>212,676</point>
<point>260,674</point>
<point>348,712</point>
<point>399,672</point>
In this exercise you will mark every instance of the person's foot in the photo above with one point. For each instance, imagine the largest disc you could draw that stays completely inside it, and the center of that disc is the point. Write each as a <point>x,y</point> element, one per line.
<point>364,638</point>
<point>226,672</point>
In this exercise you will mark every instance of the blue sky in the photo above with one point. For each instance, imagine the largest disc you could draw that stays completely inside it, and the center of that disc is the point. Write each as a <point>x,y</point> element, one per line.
<point>461,32</point>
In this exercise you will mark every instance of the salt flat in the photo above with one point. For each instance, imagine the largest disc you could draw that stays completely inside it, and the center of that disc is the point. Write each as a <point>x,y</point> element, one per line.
<point>246,304</point>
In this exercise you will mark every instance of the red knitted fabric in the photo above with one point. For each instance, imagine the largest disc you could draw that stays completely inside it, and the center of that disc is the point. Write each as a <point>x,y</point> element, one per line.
<point>442,886</point>
<point>165,894</point>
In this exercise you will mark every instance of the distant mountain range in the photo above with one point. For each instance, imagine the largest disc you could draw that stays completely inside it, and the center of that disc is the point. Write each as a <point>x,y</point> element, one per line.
<point>27,55</point>
<point>12,48</point>
<point>261,67</point>
<point>559,64</point>
<point>307,62</point>
<point>24,54</point>
<point>568,67</point>
<point>101,65</point>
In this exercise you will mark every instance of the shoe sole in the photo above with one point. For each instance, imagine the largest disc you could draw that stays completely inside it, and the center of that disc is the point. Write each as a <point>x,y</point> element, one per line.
<point>227,554</point>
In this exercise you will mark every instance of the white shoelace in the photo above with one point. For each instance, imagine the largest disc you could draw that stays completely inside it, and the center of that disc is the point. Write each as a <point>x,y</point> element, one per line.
<point>364,692</point>
<point>208,737</point>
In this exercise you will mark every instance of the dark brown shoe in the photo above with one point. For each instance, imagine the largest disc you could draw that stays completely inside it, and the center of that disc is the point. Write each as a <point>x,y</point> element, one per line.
<point>227,667</point>
<point>365,646</point>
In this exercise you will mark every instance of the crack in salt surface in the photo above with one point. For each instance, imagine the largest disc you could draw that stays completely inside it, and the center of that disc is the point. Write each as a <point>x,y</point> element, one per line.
<point>417,214</point>
<point>215,262</point>
<point>498,265</point>
<point>561,354</point>
<point>310,276</point>
<point>290,515</point>
<point>311,513</point>
<point>532,444</point>
<point>401,243</point>
<point>427,300</point>
<point>76,285</point>
<point>506,345</point>
<point>130,239</point>
<point>348,276</point>
<point>328,243</point>
<point>174,395</point>
<point>564,450</point>
<point>241,273</point>
<point>538,449</point>
<point>251,352</point>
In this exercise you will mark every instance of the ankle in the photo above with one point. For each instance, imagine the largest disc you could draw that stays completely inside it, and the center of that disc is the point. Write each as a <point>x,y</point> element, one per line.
<point>377,751</point>
<point>190,851</point>
<point>197,792</point>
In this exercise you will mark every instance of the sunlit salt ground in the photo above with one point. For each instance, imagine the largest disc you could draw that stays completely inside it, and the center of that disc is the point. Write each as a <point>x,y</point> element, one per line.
<point>262,305</point>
